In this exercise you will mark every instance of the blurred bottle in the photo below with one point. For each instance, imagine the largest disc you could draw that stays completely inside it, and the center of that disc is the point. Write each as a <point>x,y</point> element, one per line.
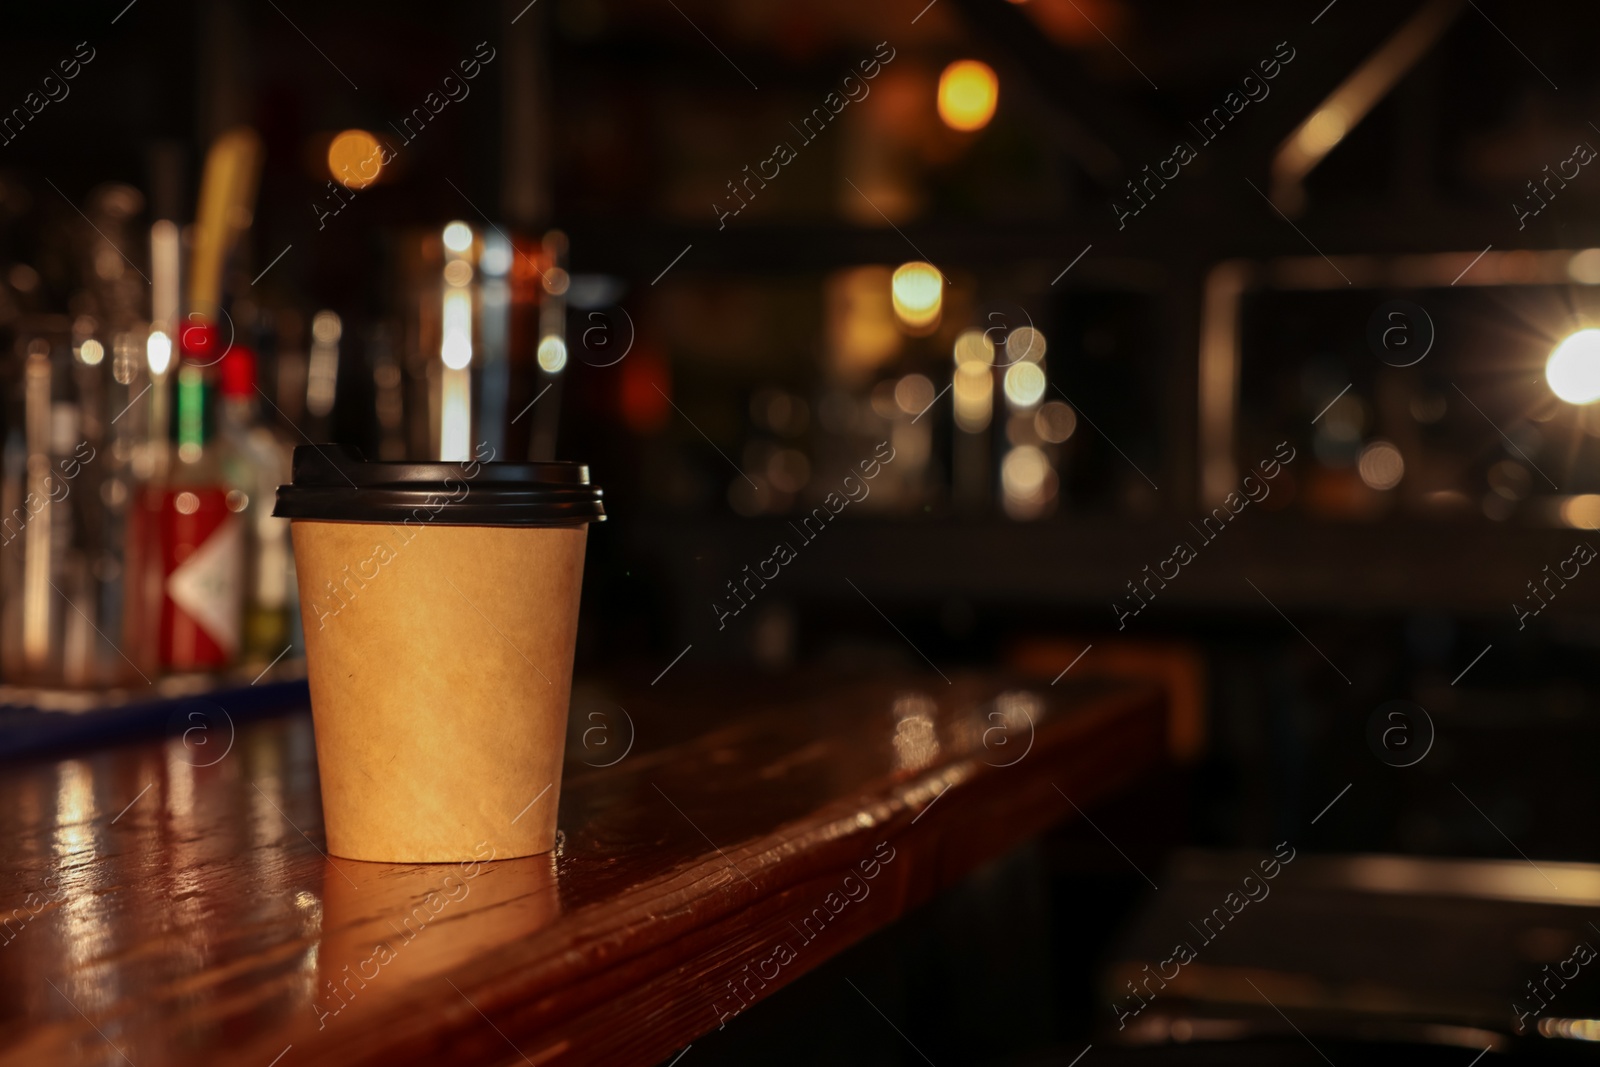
<point>479,344</point>
<point>255,461</point>
<point>74,419</point>
<point>197,557</point>
<point>47,587</point>
<point>322,374</point>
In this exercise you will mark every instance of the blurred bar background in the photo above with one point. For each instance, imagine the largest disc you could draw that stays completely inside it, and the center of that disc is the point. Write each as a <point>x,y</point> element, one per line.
<point>920,305</point>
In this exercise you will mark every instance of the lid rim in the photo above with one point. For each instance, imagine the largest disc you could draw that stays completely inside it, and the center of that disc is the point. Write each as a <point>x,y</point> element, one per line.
<point>334,483</point>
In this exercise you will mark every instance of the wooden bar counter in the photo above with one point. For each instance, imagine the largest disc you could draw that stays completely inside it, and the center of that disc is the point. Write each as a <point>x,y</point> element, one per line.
<point>169,902</point>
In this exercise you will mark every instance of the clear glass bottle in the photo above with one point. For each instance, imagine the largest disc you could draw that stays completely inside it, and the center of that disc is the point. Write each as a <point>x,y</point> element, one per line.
<point>255,461</point>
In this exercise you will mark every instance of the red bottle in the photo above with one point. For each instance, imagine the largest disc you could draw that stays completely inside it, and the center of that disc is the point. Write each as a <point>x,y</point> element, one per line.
<point>198,551</point>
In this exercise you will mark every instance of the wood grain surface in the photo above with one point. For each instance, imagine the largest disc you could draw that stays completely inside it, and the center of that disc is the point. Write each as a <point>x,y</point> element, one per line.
<point>169,902</point>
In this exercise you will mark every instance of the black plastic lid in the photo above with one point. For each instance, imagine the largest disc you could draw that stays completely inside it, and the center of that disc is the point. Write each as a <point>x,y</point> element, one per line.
<point>334,483</point>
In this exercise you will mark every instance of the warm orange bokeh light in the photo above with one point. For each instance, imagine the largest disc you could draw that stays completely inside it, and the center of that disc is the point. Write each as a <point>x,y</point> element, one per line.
<point>968,92</point>
<point>354,159</point>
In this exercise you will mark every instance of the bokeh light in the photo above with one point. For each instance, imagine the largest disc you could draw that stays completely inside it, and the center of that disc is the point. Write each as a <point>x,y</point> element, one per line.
<point>1574,368</point>
<point>552,354</point>
<point>974,346</point>
<point>1381,466</point>
<point>1055,422</point>
<point>1582,512</point>
<point>1027,481</point>
<point>455,348</point>
<point>913,394</point>
<point>458,237</point>
<point>918,292</point>
<point>158,352</point>
<point>974,396</point>
<point>355,159</point>
<point>1024,384</point>
<point>968,93</point>
<point>1026,343</point>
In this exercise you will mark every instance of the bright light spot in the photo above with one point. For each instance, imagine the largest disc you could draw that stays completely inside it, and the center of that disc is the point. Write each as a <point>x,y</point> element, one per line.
<point>1326,129</point>
<point>1381,465</point>
<point>457,272</point>
<point>1581,512</point>
<point>1574,1029</point>
<point>1024,384</point>
<point>974,346</point>
<point>455,414</point>
<point>455,347</point>
<point>913,393</point>
<point>496,258</point>
<point>556,281</point>
<point>974,396</point>
<point>552,354</point>
<point>91,352</point>
<point>1584,267</point>
<point>1574,368</point>
<point>1026,344</point>
<point>158,351</point>
<point>968,92</point>
<point>1055,422</point>
<point>458,237</point>
<point>918,293</point>
<point>354,159</point>
<point>456,351</point>
<point>326,327</point>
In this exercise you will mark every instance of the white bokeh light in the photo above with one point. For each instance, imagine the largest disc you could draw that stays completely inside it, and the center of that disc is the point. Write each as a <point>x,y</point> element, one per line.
<point>552,354</point>
<point>1574,368</point>
<point>458,237</point>
<point>158,351</point>
<point>1024,384</point>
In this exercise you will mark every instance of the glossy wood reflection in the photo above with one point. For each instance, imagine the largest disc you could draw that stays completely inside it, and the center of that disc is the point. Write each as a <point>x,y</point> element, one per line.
<point>169,902</point>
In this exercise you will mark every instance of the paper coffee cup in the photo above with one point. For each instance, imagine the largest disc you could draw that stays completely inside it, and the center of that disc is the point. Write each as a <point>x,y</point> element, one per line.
<point>440,608</point>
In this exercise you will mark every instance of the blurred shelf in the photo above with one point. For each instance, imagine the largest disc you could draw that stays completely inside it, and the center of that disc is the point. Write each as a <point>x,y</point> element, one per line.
<point>1138,257</point>
<point>1475,567</point>
<point>198,708</point>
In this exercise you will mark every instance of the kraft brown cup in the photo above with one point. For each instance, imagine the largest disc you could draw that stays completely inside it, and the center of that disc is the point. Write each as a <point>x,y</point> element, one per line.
<point>440,609</point>
<point>439,684</point>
